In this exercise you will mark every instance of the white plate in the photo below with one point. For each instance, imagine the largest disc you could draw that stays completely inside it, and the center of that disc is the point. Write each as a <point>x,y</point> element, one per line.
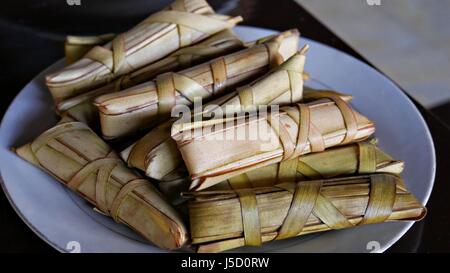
<point>65,221</point>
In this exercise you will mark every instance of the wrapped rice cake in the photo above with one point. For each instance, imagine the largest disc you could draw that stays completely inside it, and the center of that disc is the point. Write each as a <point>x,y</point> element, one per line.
<point>183,23</point>
<point>135,108</point>
<point>223,220</point>
<point>214,151</point>
<point>80,160</point>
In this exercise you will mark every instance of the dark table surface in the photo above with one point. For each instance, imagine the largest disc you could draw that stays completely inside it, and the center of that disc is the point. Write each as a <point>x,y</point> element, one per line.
<point>31,38</point>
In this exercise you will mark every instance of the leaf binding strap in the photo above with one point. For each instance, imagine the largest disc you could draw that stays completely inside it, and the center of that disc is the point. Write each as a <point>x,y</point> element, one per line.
<point>168,84</point>
<point>250,217</point>
<point>240,182</point>
<point>75,47</point>
<point>122,194</point>
<point>103,168</point>
<point>114,59</point>
<point>367,163</point>
<point>329,214</point>
<point>275,58</point>
<point>308,134</point>
<point>347,113</point>
<point>367,158</point>
<point>381,199</point>
<point>308,199</point>
<point>92,167</point>
<point>294,70</point>
<point>302,205</point>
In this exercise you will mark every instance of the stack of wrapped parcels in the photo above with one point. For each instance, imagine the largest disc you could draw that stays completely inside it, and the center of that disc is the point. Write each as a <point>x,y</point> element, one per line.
<point>265,159</point>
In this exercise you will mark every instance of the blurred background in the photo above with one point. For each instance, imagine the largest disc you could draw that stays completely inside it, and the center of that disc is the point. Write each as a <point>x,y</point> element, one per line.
<point>406,39</point>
